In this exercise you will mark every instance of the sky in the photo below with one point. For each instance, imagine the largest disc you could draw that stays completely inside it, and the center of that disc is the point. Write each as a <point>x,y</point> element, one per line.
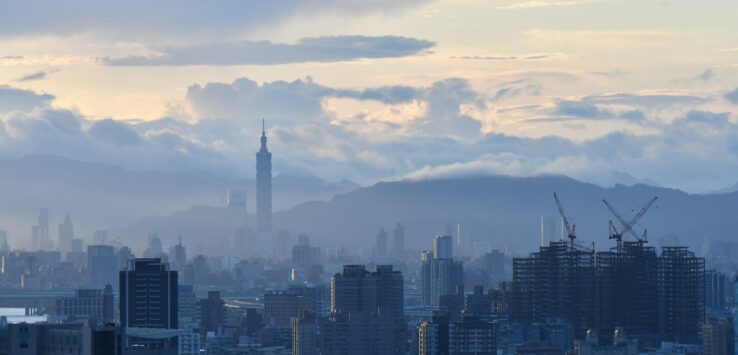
<point>605,91</point>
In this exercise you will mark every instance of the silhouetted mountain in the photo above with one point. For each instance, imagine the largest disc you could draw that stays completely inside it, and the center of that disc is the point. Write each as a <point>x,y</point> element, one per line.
<point>98,196</point>
<point>505,211</point>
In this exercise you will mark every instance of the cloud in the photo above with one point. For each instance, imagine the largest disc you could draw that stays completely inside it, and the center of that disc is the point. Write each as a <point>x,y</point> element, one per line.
<point>173,18</point>
<point>650,100</point>
<point>12,99</point>
<point>581,109</point>
<point>528,4</point>
<point>445,128</point>
<point>601,39</point>
<point>315,49</point>
<point>39,75</point>
<point>732,96</point>
<point>532,56</point>
<point>716,119</point>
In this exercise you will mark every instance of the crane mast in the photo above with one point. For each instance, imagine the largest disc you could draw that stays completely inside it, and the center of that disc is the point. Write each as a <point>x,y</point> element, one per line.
<point>571,229</point>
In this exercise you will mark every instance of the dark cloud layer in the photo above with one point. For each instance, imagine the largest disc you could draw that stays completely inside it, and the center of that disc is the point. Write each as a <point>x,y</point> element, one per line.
<point>732,96</point>
<point>171,18</point>
<point>318,49</point>
<point>12,99</point>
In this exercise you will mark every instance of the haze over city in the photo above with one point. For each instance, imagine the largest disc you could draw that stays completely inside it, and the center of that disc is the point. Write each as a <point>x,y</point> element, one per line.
<point>368,177</point>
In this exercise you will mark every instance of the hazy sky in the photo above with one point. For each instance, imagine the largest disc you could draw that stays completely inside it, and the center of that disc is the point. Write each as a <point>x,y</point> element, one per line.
<point>367,90</point>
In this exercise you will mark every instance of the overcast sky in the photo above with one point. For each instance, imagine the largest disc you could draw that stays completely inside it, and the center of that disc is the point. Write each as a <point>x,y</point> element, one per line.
<point>368,90</point>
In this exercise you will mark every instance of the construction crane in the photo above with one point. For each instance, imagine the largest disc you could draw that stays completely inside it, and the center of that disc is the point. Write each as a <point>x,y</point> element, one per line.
<point>628,225</point>
<point>571,229</point>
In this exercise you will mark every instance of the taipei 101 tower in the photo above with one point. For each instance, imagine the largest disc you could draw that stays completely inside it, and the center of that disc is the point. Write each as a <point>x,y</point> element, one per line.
<point>263,187</point>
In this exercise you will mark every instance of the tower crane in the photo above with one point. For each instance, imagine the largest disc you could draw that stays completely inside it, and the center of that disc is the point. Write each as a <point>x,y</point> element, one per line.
<point>571,228</point>
<point>628,225</point>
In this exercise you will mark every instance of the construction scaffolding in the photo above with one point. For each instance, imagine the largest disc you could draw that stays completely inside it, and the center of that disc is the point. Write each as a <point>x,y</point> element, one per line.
<point>627,292</point>
<point>559,281</point>
<point>681,294</point>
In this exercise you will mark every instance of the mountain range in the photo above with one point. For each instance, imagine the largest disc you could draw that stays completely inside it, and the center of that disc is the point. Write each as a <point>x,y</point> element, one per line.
<point>503,211</point>
<point>102,196</point>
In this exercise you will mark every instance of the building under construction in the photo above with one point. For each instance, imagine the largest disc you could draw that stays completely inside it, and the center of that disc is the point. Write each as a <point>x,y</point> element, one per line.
<point>651,297</point>
<point>627,292</point>
<point>556,281</point>
<point>681,294</point>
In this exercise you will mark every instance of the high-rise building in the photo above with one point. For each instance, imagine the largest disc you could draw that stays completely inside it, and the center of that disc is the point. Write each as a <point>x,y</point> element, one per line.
<point>440,274</point>
<point>40,232</point>
<point>426,259</point>
<point>447,278</point>
<point>494,263</point>
<point>178,255</point>
<point>154,249</point>
<point>263,187</point>
<point>100,237</point>
<point>212,312</point>
<point>443,246</point>
<point>148,305</point>
<point>4,246</point>
<point>123,255</point>
<point>556,281</point>
<point>77,245</point>
<point>282,246</point>
<point>651,297</point>
<point>304,334</point>
<point>66,235</point>
<point>102,265</point>
<point>469,335</point>
<point>380,246</point>
<point>108,314</point>
<point>303,254</point>
<point>187,301</point>
<point>681,295</point>
<point>281,306</point>
<point>398,242</point>
<point>93,304</point>
<point>367,312</point>
<point>433,335</point>
<point>715,290</point>
<point>237,220</point>
<point>718,336</point>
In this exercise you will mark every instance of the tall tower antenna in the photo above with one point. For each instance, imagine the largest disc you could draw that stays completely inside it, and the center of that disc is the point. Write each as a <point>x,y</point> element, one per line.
<point>263,186</point>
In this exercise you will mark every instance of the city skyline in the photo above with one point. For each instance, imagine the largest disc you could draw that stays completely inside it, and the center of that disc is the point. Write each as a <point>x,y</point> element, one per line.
<point>368,177</point>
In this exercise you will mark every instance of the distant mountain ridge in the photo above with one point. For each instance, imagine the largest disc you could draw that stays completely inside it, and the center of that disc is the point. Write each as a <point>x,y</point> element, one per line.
<point>101,196</point>
<point>504,211</point>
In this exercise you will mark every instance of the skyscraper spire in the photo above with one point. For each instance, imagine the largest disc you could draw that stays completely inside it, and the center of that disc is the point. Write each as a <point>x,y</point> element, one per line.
<point>263,186</point>
<point>263,136</point>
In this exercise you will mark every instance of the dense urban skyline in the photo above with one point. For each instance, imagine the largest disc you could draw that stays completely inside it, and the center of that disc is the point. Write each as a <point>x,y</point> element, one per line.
<point>368,177</point>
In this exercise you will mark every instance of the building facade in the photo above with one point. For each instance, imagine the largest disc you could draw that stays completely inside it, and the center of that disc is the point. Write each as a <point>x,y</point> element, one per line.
<point>149,303</point>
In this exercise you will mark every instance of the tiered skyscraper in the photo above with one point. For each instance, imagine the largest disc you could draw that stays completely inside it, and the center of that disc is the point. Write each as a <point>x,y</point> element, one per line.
<point>263,187</point>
